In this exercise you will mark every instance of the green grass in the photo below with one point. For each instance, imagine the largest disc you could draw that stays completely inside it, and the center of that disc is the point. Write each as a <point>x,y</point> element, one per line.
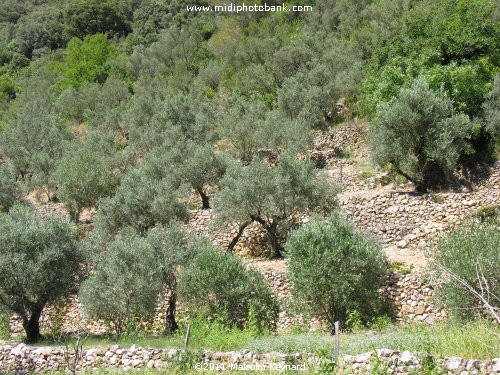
<point>4,326</point>
<point>479,340</point>
<point>215,337</point>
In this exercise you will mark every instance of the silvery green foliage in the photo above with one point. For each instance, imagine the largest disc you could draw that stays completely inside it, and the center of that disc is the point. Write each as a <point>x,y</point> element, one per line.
<point>125,283</point>
<point>470,252</point>
<point>491,108</point>
<point>420,135</point>
<point>145,198</point>
<point>33,138</point>
<point>334,269</point>
<point>272,197</point>
<point>199,167</point>
<point>9,193</point>
<point>86,172</point>
<point>130,276</point>
<point>218,286</point>
<point>40,262</point>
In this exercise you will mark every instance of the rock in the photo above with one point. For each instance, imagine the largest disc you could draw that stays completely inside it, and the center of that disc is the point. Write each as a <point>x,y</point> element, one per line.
<point>407,357</point>
<point>455,364</point>
<point>402,244</point>
<point>495,365</point>
<point>384,352</point>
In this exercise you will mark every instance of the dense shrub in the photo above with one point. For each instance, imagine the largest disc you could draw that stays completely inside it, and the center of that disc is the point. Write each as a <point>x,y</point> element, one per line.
<point>125,284</point>
<point>469,253</point>
<point>39,263</point>
<point>86,61</point>
<point>335,270</point>
<point>218,286</point>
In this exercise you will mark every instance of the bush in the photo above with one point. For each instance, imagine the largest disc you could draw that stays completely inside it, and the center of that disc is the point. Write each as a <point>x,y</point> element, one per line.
<point>218,286</point>
<point>469,252</point>
<point>334,270</point>
<point>39,263</point>
<point>420,136</point>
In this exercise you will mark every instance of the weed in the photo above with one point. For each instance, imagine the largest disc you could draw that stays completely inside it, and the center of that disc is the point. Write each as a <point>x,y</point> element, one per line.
<point>4,326</point>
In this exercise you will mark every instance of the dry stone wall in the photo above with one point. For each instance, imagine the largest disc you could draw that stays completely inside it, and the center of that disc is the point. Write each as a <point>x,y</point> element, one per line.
<point>22,359</point>
<point>405,219</point>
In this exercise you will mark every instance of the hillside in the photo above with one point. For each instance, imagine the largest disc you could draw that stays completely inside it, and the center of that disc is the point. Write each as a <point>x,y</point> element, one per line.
<point>268,178</point>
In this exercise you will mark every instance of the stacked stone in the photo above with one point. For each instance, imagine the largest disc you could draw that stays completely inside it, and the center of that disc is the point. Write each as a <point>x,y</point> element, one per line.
<point>23,359</point>
<point>404,362</point>
<point>410,296</point>
<point>409,293</point>
<point>409,220</point>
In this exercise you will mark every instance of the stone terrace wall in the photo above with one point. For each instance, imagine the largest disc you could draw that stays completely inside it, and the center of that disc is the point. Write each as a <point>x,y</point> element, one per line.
<point>411,220</point>
<point>22,359</point>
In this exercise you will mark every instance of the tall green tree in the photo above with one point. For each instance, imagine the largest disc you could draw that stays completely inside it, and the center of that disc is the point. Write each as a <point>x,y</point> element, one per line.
<point>88,17</point>
<point>87,60</point>
<point>41,31</point>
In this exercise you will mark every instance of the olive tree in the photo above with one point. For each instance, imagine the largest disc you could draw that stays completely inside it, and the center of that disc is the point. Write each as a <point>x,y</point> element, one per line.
<point>200,167</point>
<point>491,109</point>
<point>334,269</point>
<point>125,283</point>
<point>272,196</point>
<point>85,173</point>
<point>9,193</point>
<point>146,197</point>
<point>40,262</point>
<point>33,139</point>
<point>131,276</point>
<point>420,136</point>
